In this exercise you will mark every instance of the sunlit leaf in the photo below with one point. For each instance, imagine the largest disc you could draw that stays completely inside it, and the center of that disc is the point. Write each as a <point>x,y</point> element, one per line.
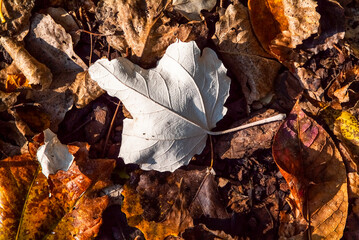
<point>314,170</point>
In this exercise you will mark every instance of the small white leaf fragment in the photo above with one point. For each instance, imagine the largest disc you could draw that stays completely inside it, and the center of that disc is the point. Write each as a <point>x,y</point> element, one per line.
<point>174,106</point>
<point>53,155</point>
<point>191,9</point>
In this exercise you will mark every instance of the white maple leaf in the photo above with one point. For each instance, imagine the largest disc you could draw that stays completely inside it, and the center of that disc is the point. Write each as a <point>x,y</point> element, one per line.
<point>174,106</point>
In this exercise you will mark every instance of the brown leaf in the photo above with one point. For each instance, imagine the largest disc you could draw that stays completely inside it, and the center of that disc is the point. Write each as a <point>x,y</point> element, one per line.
<point>37,73</point>
<point>243,54</point>
<point>59,208</point>
<point>16,18</point>
<point>144,26</point>
<point>85,89</point>
<point>49,43</point>
<point>168,202</point>
<point>314,170</point>
<point>240,144</point>
<point>351,26</point>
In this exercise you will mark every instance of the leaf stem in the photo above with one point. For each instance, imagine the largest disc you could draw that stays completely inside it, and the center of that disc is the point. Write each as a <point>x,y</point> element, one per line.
<point>260,122</point>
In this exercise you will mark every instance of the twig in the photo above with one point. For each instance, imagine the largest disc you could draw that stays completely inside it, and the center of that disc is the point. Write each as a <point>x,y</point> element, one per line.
<point>110,128</point>
<point>91,33</point>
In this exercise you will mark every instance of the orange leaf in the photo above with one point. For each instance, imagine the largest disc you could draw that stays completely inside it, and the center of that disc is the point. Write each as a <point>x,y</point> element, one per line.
<point>314,170</point>
<point>15,81</point>
<point>61,207</point>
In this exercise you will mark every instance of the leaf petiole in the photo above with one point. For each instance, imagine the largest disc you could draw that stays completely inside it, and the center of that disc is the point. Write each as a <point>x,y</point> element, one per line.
<point>260,122</point>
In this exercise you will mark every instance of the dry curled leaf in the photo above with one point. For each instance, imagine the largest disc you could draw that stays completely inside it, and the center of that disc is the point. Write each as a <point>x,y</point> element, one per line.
<point>17,15</point>
<point>36,73</point>
<point>243,54</point>
<point>48,42</point>
<point>61,207</point>
<point>314,170</point>
<point>174,106</point>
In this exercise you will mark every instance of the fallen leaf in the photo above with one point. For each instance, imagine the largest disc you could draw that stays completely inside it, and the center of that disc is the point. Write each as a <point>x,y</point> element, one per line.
<point>16,17</point>
<point>240,144</point>
<point>243,54</point>
<point>191,9</point>
<point>202,232</point>
<point>145,27</point>
<point>60,16</point>
<point>162,204</point>
<point>85,89</point>
<point>16,81</point>
<point>30,118</point>
<point>12,142</point>
<point>351,26</point>
<point>168,126</point>
<point>36,73</point>
<point>61,207</point>
<point>49,43</point>
<point>53,155</point>
<point>283,24</point>
<point>314,170</point>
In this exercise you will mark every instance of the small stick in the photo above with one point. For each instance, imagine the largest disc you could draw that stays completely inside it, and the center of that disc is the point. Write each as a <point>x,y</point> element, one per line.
<point>110,128</point>
<point>260,122</point>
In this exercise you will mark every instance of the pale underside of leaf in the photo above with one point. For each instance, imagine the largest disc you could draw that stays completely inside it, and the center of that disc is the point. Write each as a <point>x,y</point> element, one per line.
<point>174,106</point>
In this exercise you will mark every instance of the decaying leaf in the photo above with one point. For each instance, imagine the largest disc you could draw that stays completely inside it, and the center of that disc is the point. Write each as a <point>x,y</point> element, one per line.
<point>352,27</point>
<point>36,73</point>
<point>53,155</point>
<point>48,42</point>
<point>15,81</point>
<point>17,15</point>
<point>162,204</point>
<point>191,9</point>
<point>68,207</point>
<point>240,144</point>
<point>63,18</point>
<point>314,170</point>
<point>174,106</point>
<point>295,31</point>
<point>144,27</point>
<point>85,89</point>
<point>283,24</point>
<point>30,118</point>
<point>243,54</point>
<point>12,142</point>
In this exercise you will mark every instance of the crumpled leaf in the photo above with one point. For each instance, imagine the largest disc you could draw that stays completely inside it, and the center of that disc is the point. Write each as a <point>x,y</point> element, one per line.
<point>163,204</point>
<point>295,31</point>
<point>60,16</point>
<point>283,23</point>
<point>243,54</point>
<point>174,106</point>
<point>61,207</point>
<point>85,89</point>
<point>48,42</point>
<point>351,26</point>
<point>31,119</point>
<point>15,81</point>
<point>53,155</point>
<point>191,9</point>
<point>314,170</point>
<point>145,27</point>
<point>36,73</point>
<point>17,15</point>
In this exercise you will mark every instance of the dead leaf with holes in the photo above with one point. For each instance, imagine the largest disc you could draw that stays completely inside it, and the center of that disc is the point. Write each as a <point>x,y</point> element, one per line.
<point>315,172</point>
<point>61,207</point>
<point>243,54</point>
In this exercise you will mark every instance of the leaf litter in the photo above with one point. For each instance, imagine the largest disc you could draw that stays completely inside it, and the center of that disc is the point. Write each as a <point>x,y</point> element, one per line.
<point>254,196</point>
